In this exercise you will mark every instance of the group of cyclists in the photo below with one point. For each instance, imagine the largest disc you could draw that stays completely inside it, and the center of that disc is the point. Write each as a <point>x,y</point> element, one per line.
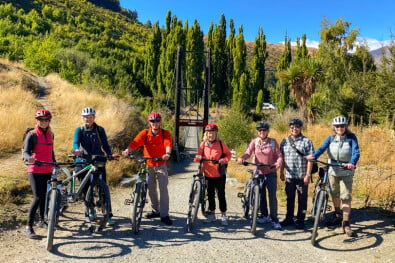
<point>291,158</point>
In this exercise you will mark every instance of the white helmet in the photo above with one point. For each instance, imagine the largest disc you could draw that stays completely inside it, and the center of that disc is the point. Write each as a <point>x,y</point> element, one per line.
<point>88,111</point>
<point>339,120</point>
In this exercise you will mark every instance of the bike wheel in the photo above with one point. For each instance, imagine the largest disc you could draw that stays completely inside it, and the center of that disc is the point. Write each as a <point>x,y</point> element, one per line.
<point>138,206</point>
<point>319,209</point>
<point>254,208</point>
<point>194,198</point>
<point>245,200</point>
<point>52,214</point>
<point>98,200</point>
<point>204,199</point>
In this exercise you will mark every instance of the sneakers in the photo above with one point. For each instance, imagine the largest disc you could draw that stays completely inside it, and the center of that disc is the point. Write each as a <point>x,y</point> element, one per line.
<point>287,222</point>
<point>152,214</point>
<point>29,232</point>
<point>210,218</point>
<point>224,220</point>
<point>263,219</point>
<point>166,220</point>
<point>299,224</point>
<point>109,222</point>
<point>92,216</point>
<point>276,225</point>
<point>41,223</point>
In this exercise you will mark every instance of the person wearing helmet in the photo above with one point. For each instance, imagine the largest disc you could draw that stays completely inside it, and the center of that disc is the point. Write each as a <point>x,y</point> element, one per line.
<point>212,148</point>
<point>342,147</point>
<point>157,142</point>
<point>265,151</point>
<point>91,139</point>
<point>296,172</point>
<point>38,146</point>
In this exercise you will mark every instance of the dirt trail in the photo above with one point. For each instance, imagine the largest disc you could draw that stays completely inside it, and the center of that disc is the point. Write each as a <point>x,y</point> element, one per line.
<point>210,242</point>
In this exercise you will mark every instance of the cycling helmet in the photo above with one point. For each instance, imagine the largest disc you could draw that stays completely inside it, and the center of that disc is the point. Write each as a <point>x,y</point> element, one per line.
<point>154,116</point>
<point>339,120</point>
<point>262,125</point>
<point>295,121</point>
<point>211,127</point>
<point>43,113</point>
<point>88,111</point>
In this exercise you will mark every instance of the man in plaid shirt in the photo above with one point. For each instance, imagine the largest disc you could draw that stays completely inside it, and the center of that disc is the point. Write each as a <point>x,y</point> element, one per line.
<point>296,172</point>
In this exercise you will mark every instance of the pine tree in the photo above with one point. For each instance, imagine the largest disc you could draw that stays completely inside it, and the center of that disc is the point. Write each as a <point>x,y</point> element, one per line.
<point>258,67</point>
<point>152,56</point>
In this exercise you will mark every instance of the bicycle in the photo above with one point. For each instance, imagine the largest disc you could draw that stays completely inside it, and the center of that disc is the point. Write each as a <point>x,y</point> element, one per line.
<point>250,197</point>
<point>62,192</point>
<point>139,192</point>
<point>197,196</point>
<point>321,196</point>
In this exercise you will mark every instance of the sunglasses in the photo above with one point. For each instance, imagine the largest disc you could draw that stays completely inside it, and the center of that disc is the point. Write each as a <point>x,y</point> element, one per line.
<point>154,121</point>
<point>340,126</point>
<point>261,130</point>
<point>44,120</point>
<point>294,127</point>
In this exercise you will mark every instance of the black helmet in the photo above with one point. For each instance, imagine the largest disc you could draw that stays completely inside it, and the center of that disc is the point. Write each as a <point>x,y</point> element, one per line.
<point>262,125</point>
<point>295,121</point>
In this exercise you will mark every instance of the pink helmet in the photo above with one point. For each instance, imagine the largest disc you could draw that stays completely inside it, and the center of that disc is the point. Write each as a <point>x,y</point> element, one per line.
<point>211,127</point>
<point>43,113</point>
<point>154,116</point>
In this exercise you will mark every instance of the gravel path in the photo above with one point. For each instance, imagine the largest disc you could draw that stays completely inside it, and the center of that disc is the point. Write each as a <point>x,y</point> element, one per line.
<point>210,242</point>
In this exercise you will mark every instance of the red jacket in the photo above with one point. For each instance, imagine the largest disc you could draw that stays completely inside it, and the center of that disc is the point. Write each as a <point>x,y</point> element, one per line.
<point>154,146</point>
<point>212,151</point>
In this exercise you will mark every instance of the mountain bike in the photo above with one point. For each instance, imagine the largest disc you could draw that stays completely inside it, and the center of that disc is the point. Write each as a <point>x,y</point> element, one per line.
<point>62,192</point>
<point>321,196</point>
<point>197,196</point>
<point>139,192</point>
<point>250,197</point>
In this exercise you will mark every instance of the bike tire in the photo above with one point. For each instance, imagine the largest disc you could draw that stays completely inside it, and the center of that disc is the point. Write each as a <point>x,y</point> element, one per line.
<point>318,215</point>
<point>137,208</point>
<point>98,200</point>
<point>64,173</point>
<point>246,199</point>
<point>254,208</point>
<point>204,200</point>
<point>194,200</point>
<point>53,196</point>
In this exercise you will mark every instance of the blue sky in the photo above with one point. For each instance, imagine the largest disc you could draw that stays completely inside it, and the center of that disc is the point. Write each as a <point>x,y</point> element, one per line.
<point>374,19</point>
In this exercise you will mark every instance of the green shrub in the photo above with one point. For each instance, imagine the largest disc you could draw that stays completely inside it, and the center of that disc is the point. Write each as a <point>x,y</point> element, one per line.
<point>235,129</point>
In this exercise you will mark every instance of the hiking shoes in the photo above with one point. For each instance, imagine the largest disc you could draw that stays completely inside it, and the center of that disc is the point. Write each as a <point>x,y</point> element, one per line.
<point>166,220</point>
<point>109,222</point>
<point>210,218</point>
<point>299,224</point>
<point>263,220</point>
<point>276,225</point>
<point>41,223</point>
<point>29,232</point>
<point>152,214</point>
<point>287,222</point>
<point>224,220</point>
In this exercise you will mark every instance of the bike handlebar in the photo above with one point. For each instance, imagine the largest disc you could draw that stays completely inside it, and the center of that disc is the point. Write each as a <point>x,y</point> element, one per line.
<point>55,164</point>
<point>271,166</point>
<point>342,165</point>
<point>143,158</point>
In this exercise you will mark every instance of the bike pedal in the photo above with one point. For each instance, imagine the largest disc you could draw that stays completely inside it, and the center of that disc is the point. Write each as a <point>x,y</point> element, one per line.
<point>128,201</point>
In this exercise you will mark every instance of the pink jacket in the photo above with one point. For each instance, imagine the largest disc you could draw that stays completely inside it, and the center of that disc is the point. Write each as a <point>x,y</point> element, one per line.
<point>265,152</point>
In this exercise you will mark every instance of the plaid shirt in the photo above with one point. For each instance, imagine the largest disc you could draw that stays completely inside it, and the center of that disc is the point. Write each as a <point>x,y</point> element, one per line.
<point>295,164</point>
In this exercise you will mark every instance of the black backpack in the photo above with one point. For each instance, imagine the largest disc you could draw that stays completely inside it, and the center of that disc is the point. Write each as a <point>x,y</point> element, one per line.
<point>27,131</point>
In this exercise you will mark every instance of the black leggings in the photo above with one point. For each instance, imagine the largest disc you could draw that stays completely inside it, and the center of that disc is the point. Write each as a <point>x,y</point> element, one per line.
<point>216,183</point>
<point>38,182</point>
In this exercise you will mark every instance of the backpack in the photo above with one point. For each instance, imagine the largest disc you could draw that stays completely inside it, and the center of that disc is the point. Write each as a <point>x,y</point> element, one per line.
<point>27,131</point>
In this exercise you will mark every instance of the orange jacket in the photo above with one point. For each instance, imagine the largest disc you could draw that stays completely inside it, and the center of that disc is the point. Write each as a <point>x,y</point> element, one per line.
<point>154,145</point>
<point>213,152</point>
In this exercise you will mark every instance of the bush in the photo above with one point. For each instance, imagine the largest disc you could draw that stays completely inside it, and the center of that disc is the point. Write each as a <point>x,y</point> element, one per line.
<point>235,129</point>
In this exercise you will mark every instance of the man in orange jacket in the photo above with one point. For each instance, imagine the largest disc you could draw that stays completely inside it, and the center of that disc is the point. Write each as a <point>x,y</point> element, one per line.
<point>157,142</point>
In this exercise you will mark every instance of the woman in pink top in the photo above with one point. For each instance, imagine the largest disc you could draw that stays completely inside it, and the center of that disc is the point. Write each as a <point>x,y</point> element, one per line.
<point>266,151</point>
<point>212,148</point>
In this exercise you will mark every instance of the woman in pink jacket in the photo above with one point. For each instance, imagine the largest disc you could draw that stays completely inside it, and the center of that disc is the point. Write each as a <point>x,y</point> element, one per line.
<point>212,148</point>
<point>266,151</point>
